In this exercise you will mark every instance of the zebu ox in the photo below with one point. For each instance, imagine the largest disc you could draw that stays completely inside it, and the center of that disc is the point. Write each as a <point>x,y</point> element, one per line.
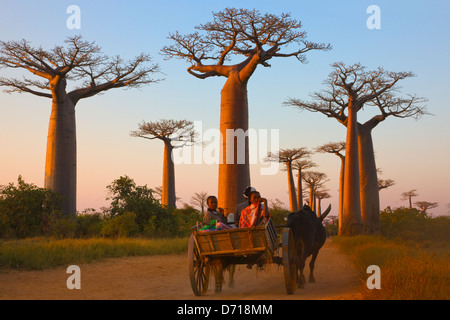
<point>309,236</point>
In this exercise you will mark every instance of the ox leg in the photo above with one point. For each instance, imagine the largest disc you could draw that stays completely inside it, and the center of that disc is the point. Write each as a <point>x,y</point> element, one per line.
<point>311,267</point>
<point>301,280</point>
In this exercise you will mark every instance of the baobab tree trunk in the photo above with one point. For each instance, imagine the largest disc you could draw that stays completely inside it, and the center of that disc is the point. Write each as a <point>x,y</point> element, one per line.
<point>61,156</point>
<point>319,207</point>
<point>341,192</point>
<point>299,190</point>
<point>168,185</point>
<point>369,192</point>
<point>234,170</point>
<point>292,197</point>
<point>311,197</point>
<point>351,209</point>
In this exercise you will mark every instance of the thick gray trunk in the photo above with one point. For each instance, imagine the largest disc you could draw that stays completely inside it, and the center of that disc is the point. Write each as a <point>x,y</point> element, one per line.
<point>341,192</point>
<point>351,210</point>
<point>369,192</point>
<point>168,197</point>
<point>292,197</point>
<point>234,170</point>
<point>61,156</point>
<point>299,190</point>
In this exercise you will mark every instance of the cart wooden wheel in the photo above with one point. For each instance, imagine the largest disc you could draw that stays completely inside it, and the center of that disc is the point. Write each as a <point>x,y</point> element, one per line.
<point>289,260</point>
<point>198,269</point>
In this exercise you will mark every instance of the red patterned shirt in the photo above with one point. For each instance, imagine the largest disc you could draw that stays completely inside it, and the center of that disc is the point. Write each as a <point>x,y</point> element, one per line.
<point>250,215</point>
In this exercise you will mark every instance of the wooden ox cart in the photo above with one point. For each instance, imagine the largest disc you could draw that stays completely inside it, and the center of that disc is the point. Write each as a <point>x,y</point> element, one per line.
<point>255,245</point>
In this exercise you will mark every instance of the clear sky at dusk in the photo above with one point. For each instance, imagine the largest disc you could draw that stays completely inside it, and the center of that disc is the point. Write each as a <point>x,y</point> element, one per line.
<point>414,36</point>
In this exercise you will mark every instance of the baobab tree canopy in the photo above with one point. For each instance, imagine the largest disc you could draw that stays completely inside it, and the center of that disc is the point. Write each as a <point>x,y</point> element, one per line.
<point>79,61</point>
<point>91,72</point>
<point>257,38</point>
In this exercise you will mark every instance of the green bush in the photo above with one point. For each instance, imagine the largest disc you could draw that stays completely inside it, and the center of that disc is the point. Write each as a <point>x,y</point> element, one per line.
<point>89,224</point>
<point>26,210</point>
<point>414,225</point>
<point>123,225</point>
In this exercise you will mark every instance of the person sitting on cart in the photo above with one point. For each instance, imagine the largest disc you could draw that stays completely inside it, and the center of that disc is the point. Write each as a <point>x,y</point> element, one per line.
<point>255,213</point>
<point>241,206</point>
<point>213,213</point>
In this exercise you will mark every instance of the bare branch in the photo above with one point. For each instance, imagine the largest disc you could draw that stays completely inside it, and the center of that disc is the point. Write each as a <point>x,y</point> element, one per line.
<point>180,131</point>
<point>79,61</point>
<point>257,36</point>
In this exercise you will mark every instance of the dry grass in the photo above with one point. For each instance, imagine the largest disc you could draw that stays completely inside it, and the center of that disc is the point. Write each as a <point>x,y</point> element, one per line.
<point>41,253</point>
<point>408,272</point>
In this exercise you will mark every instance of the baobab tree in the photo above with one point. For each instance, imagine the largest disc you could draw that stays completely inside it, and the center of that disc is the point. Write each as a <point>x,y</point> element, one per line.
<point>314,180</point>
<point>408,195</point>
<point>91,72</point>
<point>287,156</point>
<point>349,89</point>
<point>337,148</point>
<point>425,205</point>
<point>301,165</point>
<point>385,183</point>
<point>168,131</point>
<point>199,200</point>
<point>257,38</point>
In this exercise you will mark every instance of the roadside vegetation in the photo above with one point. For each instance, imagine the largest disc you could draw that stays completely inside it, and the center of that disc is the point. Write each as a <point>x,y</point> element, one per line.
<point>34,234</point>
<point>413,254</point>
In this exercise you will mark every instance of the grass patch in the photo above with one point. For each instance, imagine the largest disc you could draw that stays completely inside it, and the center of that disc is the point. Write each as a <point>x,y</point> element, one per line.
<point>408,272</point>
<point>42,253</point>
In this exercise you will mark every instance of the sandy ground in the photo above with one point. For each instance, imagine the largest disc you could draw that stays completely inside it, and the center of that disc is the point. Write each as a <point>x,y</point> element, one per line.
<point>166,277</point>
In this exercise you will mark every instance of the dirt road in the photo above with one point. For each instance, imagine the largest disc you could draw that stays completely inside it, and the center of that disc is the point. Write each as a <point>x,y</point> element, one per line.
<point>166,277</point>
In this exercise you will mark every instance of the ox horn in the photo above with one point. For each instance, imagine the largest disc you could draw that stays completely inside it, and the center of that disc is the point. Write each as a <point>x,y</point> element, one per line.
<point>323,215</point>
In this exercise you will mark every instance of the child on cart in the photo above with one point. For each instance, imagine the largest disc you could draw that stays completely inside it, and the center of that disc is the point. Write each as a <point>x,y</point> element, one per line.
<point>256,213</point>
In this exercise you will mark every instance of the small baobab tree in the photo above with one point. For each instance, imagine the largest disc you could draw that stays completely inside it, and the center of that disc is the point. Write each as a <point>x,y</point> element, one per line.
<point>301,165</point>
<point>314,180</point>
<point>349,89</point>
<point>257,38</point>
<point>287,156</point>
<point>408,195</point>
<point>168,131</point>
<point>91,73</point>
<point>385,183</point>
<point>337,148</point>
<point>425,205</point>
<point>199,200</point>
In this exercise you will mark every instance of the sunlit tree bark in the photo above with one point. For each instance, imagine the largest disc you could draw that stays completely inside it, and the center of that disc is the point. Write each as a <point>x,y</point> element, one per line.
<point>256,37</point>
<point>91,73</point>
